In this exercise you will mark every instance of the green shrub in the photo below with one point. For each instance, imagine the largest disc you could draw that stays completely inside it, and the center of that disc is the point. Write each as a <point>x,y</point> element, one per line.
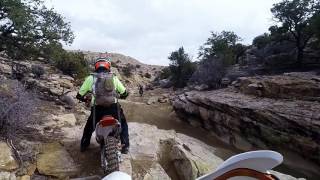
<point>127,70</point>
<point>165,73</point>
<point>225,46</point>
<point>261,41</point>
<point>209,72</point>
<point>70,63</point>
<point>73,64</point>
<point>147,75</point>
<point>181,67</point>
<point>37,70</point>
<point>28,26</point>
<point>114,64</point>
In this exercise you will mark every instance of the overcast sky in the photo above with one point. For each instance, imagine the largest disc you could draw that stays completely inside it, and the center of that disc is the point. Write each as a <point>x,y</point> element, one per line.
<point>149,30</point>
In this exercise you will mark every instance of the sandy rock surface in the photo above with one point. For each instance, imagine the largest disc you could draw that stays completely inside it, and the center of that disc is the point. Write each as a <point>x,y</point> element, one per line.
<point>7,161</point>
<point>54,160</point>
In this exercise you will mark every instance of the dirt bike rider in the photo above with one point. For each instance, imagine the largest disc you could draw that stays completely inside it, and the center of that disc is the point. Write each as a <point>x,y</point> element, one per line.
<point>140,90</point>
<point>103,65</point>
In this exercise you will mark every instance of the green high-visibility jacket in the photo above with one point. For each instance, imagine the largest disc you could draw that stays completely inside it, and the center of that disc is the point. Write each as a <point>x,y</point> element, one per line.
<point>88,85</point>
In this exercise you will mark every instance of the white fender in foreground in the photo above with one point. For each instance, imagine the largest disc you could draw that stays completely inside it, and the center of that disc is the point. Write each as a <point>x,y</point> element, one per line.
<point>261,161</point>
<point>117,175</point>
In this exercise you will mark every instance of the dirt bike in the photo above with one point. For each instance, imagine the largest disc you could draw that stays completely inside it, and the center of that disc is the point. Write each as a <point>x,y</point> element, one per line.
<point>108,136</point>
<point>107,132</point>
<point>249,165</point>
<point>254,165</point>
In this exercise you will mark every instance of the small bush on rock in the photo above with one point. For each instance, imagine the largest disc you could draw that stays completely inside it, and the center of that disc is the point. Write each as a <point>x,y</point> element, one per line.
<point>147,75</point>
<point>127,70</point>
<point>37,70</point>
<point>165,73</point>
<point>209,72</point>
<point>19,70</point>
<point>261,41</point>
<point>114,64</point>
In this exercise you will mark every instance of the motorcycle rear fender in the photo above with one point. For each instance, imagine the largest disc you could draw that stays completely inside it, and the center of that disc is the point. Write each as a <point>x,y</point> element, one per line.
<point>103,132</point>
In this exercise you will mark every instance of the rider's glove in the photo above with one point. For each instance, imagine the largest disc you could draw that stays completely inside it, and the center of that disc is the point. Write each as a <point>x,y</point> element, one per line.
<point>86,98</point>
<point>81,98</point>
<point>124,95</point>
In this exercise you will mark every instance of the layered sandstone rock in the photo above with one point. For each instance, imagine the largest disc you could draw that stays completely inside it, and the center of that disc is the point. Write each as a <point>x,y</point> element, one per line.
<point>267,114</point>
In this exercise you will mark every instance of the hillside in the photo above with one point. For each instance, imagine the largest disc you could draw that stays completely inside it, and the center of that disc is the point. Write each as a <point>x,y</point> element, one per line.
<point>130,70</point>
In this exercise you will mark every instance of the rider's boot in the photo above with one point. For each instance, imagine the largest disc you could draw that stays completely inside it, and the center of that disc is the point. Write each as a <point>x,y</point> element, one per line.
<point>84,144</point>
<point>125,150</point>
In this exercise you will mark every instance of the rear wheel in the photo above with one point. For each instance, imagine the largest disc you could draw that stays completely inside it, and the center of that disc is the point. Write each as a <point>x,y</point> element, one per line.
<point>110,156</point>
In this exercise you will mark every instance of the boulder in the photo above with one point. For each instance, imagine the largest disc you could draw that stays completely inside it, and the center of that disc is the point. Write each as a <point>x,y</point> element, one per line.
<point>234,72</point>
<point>42,86</point>
<point>163,99</point>
<point>281,60</point>
<point>62,120</point>
<point>165,83</point>
<point>152,100</point>
<point>6,90</point>
<point>156,172</point>
<point>190,160</point>
<point>284,176</point>
<point>30,169</point>
<point>38,177</point>
<point>26,177</point>
<point>55,91</point>
<point>65,83</point>
<point>54,77</point>
<point>225,81</point>
<point>153,151</point>
<point>7,176</point>
<point>54,160</point>
<point>275,55</point>
<point>66,119</point>
<point>68,100</point>
<point>162,154</point>
<point>3,77</point>
<point>68,78</point>
<point>5,68</point>
<point>302,86</point>
<point>201,87</point>
<point>7,161</point>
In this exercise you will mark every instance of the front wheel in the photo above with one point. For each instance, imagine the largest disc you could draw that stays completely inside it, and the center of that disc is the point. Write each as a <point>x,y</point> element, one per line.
<point>109,156</point>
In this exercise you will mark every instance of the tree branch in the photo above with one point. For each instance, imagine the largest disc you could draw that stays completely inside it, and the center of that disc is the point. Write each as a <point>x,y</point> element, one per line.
<point>5,113</point>
<point>305,42</point>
